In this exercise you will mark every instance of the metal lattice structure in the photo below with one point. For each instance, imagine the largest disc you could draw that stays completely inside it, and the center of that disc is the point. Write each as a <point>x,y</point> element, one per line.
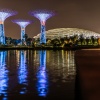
<point>4,13</point>
<point>63,32</point>
<point>22,24</point>
<point>42,15</point>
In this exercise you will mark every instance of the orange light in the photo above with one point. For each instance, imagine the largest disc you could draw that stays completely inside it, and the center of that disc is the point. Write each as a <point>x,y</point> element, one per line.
<point>23,28</point>
<point>1,22</point>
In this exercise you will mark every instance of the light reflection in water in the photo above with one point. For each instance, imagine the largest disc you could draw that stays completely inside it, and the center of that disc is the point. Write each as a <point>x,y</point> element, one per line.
<point>22,71</point>
<point>61,65</point>
<point>3,75</point>
<point>42,78</point>
<point>71,63</point>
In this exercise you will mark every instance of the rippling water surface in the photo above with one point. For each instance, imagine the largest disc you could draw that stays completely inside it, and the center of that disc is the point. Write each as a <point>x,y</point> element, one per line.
<point>34,75</point>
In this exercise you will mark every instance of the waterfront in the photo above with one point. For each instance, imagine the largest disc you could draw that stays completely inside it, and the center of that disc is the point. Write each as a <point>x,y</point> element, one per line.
<point>39,74</point>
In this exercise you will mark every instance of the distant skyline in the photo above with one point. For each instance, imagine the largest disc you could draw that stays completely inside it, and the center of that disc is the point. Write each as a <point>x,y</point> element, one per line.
<point>84,14</point>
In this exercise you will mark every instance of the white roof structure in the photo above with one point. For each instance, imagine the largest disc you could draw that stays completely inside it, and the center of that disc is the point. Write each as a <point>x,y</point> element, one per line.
<point>63,32</point>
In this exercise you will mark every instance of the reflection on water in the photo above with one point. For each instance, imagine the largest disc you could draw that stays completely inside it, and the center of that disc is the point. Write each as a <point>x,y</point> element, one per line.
<point>40,73</point>
<point>42,78</point>
<point>3,75</point>
<point>61,65</point>
<point>22,71</point>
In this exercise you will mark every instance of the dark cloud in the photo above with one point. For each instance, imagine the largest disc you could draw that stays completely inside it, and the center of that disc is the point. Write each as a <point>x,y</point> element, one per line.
<point>83,14</point>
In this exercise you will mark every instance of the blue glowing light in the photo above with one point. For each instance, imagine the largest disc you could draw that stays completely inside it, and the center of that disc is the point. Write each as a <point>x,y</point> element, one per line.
<point>2,35</point>
<point>42,35</point>
<point>43,60</point>
<point>22,72</point>
<point>4,13</point>
<point>42,77</point>
<point>22,24</point>
<point>3,74</point>
<point>42,15</point>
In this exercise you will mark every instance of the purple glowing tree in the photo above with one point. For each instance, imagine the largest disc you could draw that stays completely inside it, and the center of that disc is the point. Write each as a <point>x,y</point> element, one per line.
<point>42,15</point>
<point>22,24</point>
<point>4,13</point>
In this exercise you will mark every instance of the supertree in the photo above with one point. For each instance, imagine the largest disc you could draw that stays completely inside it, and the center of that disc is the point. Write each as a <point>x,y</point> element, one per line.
<point>42,15</point>
<point>4,13</point>
<point>22,24</point>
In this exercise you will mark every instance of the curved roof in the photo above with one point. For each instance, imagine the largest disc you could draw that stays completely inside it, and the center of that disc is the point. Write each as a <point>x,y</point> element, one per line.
<point>62,32</point>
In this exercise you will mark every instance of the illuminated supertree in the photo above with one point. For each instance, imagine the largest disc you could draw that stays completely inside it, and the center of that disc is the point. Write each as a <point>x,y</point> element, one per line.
<point>22,24</point>
<point>4,13</point>
<point>42,15</point>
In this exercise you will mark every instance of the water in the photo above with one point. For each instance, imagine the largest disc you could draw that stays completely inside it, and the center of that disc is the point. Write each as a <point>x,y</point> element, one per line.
<point>28,75</point>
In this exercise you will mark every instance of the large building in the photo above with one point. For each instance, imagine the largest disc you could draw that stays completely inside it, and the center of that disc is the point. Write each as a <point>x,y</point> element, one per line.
<point>63,32</point>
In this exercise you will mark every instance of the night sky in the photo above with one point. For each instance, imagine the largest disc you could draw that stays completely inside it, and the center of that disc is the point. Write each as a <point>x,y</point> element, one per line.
<point>83,14</point>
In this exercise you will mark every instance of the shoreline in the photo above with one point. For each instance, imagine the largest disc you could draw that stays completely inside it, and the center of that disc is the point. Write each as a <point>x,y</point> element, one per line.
<point>89,47</point>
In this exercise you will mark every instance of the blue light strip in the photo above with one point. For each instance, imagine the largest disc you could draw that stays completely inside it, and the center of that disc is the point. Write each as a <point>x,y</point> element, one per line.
<point>42,35</point>
<point>22,35</point>
<point>2,35</point>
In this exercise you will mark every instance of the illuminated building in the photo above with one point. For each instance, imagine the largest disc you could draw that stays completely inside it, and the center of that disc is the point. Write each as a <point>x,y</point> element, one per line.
<point>4,13</point>
<point>63,32</point>
<point>42,15</point>
<point>22,24</point>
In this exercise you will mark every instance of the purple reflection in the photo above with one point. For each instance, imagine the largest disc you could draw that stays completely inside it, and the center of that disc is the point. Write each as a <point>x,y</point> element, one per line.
<point>42,78</point>
<point>3,74</point>
<point>22,71</point>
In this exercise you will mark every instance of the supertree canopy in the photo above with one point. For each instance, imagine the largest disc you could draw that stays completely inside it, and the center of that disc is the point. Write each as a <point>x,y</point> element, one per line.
<point>42,15</point>
<point>4,13</point>
<point>22,24</point>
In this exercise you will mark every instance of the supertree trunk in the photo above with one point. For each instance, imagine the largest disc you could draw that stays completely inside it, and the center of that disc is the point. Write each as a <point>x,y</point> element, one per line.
<point>22,35</point>
<point>42,35</point>
<point>2,36</point>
